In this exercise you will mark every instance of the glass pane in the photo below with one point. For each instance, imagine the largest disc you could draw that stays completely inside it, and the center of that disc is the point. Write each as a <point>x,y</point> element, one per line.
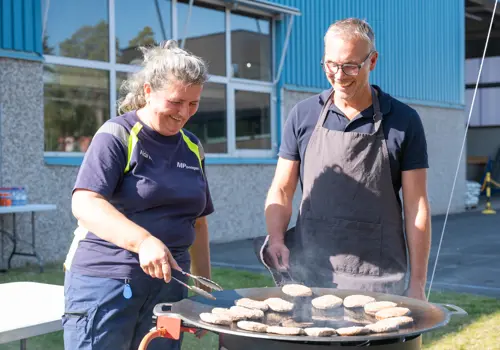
<point>205,35</point>
<point>253,120</point>
<point>251,47</point>
<point>120,78</point>
<point>140,23</point>
<point>77,29</point>
<point>76,104</point>
<point>209,123</point>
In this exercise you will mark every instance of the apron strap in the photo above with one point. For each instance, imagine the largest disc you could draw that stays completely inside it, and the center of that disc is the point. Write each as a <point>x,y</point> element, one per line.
<point>324,111</point>
<point>377,116</point>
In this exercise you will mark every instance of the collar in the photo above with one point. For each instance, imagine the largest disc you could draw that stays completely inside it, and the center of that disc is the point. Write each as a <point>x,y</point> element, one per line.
<point>384,98</point>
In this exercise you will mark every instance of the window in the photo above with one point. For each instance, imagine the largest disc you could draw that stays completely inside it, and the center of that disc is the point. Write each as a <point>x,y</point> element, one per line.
<point>76,103</point>
<point>120,78</point>
<point>140,23</point>
<point>210,122</point>
<point>205,36</point>
<point>92,46</point>
<point>253,120</point>
<point>77,29</point>
<point>251,47</point>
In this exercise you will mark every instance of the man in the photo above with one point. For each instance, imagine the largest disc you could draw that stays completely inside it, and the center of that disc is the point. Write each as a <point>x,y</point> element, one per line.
<point>353,147</point>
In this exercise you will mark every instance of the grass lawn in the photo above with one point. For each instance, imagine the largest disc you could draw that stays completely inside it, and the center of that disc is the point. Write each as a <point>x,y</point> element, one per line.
<point>478,331</point>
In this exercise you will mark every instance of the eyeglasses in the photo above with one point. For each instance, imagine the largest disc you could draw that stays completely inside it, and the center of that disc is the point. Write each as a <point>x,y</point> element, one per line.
<point>348,68</point>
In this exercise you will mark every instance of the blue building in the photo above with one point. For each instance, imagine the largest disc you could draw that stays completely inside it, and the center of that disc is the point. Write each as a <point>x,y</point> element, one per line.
<point>62,62</point>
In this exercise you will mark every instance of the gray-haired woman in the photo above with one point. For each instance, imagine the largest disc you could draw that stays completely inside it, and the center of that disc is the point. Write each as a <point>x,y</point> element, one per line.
<point>141,199</point>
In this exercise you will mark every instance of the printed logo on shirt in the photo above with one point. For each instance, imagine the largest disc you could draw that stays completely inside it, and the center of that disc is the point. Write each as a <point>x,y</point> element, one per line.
<point>185,166</point>
<point>145,155</point>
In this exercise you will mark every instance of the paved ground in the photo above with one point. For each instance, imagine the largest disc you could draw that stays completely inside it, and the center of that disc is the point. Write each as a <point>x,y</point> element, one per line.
<point>469,259</point>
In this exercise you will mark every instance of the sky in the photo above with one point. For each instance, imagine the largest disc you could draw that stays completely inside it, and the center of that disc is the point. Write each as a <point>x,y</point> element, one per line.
<point>66,16</point>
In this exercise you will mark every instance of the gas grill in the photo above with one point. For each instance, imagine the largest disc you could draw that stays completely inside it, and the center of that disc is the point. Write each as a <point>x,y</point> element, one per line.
<point>173,319</point>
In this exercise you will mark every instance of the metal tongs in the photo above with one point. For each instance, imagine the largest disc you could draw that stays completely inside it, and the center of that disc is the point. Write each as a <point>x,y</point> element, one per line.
<point>287,276</point>
<point>202,280</point>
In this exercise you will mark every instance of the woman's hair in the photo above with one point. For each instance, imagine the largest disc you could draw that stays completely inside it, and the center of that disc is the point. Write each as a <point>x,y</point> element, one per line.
<point>161,65</point>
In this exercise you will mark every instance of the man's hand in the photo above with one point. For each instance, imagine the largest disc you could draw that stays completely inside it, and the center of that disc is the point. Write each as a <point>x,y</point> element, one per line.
<point>279,254</point>
<point>156,260</point>
<point>279,210</point>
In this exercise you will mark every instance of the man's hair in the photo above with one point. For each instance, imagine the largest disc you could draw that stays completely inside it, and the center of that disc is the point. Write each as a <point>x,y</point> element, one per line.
<point>350,28</point>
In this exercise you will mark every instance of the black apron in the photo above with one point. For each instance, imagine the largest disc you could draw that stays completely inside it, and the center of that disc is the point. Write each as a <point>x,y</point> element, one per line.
<point>349,231</point>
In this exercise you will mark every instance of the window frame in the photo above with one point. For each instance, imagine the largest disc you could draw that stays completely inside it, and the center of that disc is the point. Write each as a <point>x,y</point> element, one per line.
<point>232,84</point>
<point>243,86</point>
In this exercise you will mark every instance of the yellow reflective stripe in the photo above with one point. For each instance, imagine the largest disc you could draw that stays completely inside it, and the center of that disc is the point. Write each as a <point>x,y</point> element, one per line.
<point>80,233</point>
<point>132,141</point>
<point>193,147</point>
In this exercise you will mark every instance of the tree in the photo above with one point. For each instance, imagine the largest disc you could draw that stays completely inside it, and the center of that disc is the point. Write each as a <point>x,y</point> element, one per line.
<point>47,50</point>
<point>146,37</point>
<point>131,54</point>
<point>89,42</point>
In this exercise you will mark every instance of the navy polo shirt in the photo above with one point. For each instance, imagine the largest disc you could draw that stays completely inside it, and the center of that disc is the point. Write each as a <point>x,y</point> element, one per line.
<point>403,130</point>
<point>164,192</point>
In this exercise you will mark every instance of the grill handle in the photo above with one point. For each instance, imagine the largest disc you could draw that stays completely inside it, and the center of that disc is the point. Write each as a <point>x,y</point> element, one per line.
<point>456,311</point>
<point>165,310</point>
<point>165,318</point>
<point>162,309</point>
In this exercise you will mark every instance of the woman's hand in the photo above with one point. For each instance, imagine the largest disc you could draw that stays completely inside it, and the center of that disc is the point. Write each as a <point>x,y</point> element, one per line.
<point>156,260</point>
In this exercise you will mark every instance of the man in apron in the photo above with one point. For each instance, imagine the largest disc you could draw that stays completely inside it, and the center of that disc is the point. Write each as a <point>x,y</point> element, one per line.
<point>353,147</point>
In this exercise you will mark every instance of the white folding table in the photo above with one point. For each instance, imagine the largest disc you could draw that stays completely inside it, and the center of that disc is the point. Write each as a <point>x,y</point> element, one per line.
<point>28,309</point>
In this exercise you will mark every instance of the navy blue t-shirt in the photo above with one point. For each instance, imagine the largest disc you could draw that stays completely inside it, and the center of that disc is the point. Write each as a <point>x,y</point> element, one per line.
<point>403,130</point>
<point>164,192</point>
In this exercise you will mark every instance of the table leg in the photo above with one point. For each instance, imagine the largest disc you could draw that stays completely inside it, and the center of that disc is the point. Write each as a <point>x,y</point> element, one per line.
<point>40,263</point>
<point>23,344</point>
<point>2,269</point>
<point>14,240</point>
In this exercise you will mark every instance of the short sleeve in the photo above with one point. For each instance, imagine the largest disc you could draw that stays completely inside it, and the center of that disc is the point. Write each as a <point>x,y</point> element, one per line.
<point>209,208</point>
<point>414,147</point>
<point>103,164</point>
<point>289,148</point>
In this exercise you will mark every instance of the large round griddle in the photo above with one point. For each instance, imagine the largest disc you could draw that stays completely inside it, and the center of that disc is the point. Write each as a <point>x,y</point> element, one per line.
<point>427,316</point>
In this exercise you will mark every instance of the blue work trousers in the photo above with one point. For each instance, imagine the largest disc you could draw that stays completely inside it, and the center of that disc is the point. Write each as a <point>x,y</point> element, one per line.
<point>98,316</point>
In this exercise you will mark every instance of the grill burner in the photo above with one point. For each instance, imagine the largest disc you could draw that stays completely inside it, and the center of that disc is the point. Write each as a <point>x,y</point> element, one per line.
<point>183,316</point>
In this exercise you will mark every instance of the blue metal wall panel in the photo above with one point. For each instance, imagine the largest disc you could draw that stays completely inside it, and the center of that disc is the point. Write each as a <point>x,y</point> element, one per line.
<point>421,45</point>
<point>18,23</point>
<point>7,24</point>
<point>20,27</point>
<point>29,26</point>
<point>37,25</point>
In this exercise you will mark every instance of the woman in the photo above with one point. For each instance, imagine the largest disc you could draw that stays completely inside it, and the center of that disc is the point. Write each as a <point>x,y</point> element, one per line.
<point>141,199</point>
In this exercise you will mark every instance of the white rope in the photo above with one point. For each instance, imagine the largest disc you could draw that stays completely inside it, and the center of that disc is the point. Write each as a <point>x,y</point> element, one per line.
<point>45,16</point>
<point>186,24</point>
<point>462,149</point>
